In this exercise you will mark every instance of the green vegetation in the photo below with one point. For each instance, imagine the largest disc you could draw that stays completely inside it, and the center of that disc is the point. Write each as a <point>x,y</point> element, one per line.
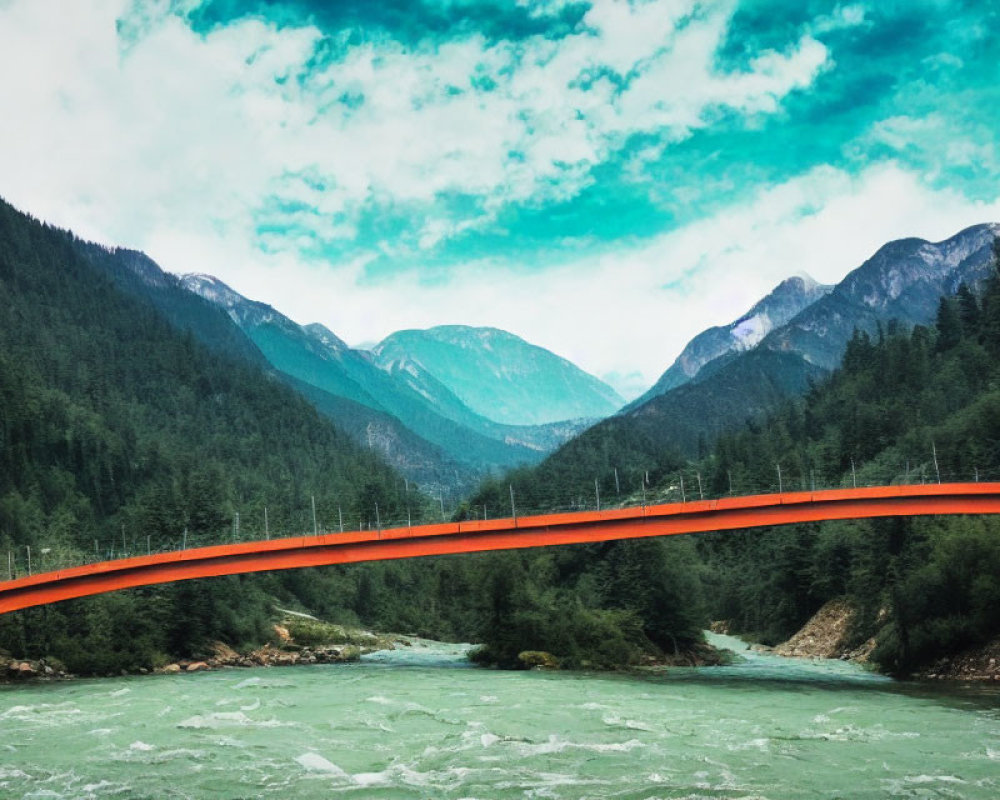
<point>119,433</point>
<point>904,407</point>
<point>121,430</point>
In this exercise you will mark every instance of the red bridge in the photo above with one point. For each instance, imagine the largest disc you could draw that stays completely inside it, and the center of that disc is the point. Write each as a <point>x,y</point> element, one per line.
<point>727,514</point>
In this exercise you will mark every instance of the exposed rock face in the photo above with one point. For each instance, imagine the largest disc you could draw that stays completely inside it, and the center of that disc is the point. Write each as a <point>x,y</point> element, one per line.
<point>786,300</point>
<point>826,636</point>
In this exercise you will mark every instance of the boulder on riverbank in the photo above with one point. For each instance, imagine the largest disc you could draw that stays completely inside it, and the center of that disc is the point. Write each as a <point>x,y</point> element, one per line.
<point>538,659</point>
<point>976,664</point>
<point>16,669</point>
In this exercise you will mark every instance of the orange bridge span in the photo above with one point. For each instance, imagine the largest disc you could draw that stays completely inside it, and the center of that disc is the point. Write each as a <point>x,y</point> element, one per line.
<point>726,514</point>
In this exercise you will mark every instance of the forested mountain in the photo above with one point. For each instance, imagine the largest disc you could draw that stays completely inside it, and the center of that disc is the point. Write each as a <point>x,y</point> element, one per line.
<point>313,355</point>
<point>498,375</point>
<point>115,427</point>
<point>906,405</point>
<point>783,303</point>
<point>119,432</point>
<point>915,406</point>
<point>901,282</point>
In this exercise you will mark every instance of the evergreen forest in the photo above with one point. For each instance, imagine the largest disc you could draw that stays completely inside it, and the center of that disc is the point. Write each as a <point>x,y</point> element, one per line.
<point>122,431</point>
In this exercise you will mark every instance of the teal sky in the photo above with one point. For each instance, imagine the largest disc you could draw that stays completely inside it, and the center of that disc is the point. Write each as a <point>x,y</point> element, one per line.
<point>603,178</point>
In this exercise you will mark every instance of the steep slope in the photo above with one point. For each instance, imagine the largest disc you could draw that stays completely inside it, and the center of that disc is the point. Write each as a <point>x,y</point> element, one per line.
<point>317,357</point>
<point>119,431</point>
<point>136,274</point>
<point>903,281</point>
<point>499,375</point>
<point>421,461</point>
<point>783,303</point>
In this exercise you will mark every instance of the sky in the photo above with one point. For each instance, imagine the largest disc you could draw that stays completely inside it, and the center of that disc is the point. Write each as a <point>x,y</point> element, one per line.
<point>603,178</point>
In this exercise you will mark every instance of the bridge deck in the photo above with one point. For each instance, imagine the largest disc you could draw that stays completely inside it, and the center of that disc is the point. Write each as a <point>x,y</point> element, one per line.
<point>724,514</point>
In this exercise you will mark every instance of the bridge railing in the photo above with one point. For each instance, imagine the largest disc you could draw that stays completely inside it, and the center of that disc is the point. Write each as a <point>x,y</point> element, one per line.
<point>683,486</point>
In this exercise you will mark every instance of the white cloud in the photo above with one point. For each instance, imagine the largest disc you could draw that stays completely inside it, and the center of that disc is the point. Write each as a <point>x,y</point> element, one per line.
<point>172,130</point>
<point>635,309</point>
<point>180,143</point>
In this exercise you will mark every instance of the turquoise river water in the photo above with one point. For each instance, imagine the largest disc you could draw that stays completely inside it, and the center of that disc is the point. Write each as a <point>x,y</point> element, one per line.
<point>419,723</point>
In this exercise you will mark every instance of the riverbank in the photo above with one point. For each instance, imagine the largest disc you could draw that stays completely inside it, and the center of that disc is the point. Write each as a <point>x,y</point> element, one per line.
<point>827,635</point>
<point>419,722</point>
<point>298,639</point>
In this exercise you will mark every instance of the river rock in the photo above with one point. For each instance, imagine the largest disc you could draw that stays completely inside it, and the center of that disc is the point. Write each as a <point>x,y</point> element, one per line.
<point>197,666</point>
<point>538,659</point>
<point>172,669</point>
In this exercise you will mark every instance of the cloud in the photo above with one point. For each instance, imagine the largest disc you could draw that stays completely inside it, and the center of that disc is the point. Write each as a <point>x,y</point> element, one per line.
<point>293,161</point>
<point>638,306</point>
<point>128,122</point>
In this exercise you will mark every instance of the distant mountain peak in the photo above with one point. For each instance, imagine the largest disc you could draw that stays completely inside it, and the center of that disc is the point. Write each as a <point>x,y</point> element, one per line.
<point>781,304</point>
<point>903,281</point>
<point>498,374</point>
<point>240,308</point>
<point>327,337</point>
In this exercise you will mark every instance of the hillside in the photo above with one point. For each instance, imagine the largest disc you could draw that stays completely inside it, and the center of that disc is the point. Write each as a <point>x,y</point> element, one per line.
<point>898,286</point>
<point>120,433</point>
<point>469,444</point>
<point>905,405</point>
<point>498,375</point>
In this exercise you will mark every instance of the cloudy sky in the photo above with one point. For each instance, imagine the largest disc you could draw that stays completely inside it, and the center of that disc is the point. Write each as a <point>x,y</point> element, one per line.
<point>603,178</point>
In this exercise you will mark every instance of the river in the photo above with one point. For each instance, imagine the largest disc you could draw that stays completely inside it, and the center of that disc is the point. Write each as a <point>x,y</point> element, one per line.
<point>419,723</point>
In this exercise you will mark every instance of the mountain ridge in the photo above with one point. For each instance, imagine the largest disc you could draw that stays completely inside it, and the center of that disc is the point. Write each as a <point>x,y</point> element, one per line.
<point>498,374</point>
<point>776,308</point>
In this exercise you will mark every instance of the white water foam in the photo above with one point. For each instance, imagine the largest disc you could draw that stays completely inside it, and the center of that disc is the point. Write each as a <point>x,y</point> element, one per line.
<point>141,746</point>
<point>314,762</point>
<point>222,719</point>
